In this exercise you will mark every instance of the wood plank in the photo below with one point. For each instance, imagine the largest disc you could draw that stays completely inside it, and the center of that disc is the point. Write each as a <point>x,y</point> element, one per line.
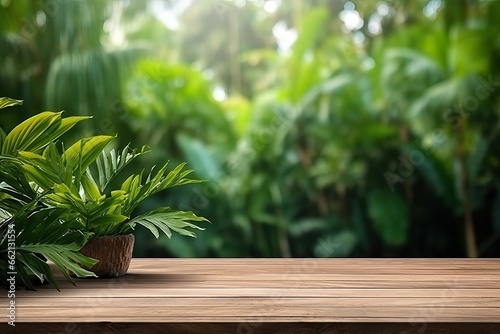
<point>258,328</point>
<point>254,319</point>
<point>249,283</point>
<point>307,262</point>
<point>269,301</point>
<point>296,270</point>
<point>344,315</point>
<point>369,277</point>
<point>99,293</point>
<point>326,291</point>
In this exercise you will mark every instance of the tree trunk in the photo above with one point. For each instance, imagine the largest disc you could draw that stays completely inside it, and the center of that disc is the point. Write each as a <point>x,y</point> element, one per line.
<point>470,235</point>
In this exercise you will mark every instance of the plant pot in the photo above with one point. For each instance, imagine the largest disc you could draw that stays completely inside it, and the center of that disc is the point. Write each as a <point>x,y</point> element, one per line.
<point>113,252</point>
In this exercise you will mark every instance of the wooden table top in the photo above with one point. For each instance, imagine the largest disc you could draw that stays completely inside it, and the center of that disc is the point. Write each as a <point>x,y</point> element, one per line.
<point>276,291</point>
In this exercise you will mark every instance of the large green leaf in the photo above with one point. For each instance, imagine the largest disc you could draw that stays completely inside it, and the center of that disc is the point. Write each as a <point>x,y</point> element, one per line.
<point>43,171</point>
<point>110,205</point>
<point>37,132</point>
<point>138,192</point>
<point>108,224</point>
<point>26,136</point>
<point>51,234</point>
<point>63,198</point>
<point>37,266</point>
<point>90,189</point>
<point>84,152</point>
<point>389,215</point>
<point>63,258</point>
<point>8,102</point>
<point>167,219</point>
<point>66,124</point>
<point>44,233</point>
<point>109,165</point>
<point>14,181</point>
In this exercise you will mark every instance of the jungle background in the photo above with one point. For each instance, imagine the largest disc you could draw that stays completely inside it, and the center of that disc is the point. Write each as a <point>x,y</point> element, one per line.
<point>324,128</point>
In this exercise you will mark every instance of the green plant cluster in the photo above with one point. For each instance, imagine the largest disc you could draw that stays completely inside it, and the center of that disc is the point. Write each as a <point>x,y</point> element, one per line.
<point>52,202</point>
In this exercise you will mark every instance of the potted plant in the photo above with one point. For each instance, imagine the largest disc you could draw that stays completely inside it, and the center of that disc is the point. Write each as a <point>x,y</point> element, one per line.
<point>79,179</point>
<point>69,192</point>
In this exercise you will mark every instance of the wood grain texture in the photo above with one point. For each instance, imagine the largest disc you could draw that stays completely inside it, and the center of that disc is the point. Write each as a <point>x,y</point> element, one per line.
<point>255,328</point>
<point>274,296</point>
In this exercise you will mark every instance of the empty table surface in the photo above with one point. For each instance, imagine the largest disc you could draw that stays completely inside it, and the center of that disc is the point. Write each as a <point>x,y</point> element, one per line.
<point>273,296</point>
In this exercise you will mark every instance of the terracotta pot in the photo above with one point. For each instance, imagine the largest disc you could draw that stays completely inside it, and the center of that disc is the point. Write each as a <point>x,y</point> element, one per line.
<point>113,252</point>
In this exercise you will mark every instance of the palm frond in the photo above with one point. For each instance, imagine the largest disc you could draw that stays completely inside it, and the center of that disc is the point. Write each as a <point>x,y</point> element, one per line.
<point>167,219</point>
<point>138,192</point>
<point>96,73</point>
<point>8,102</point>
<point>14,182</point>
<point>37,132</point>
<point>39,231</point>
<point>111,164</point>
<point>84,152</point>
<point>43,170</point>
<point>24,136</point>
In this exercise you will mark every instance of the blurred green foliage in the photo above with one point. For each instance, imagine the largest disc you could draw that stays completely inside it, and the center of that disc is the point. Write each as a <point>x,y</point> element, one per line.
<point>325,128</point>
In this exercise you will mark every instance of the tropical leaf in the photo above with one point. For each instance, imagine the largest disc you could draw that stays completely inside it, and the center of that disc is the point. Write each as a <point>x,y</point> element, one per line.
<point>90,189</point>
<point>111,164</point>
<point>8,102</point>
<point>43,170</point>
<point>37,266</point>
<point>50,232</point>
<point>138,192</point>
<point>66,124</point>
<point>40,231</point>
<point>65,260</point>
<point>63,198</point>
<point>14,182</point>
<point>26,136</point>
<point>37,132</point>
<point>166,219</point>
<point>110,205</point>
<point>107,224</point>
<point>96,72</point>
<point>80,155</point>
